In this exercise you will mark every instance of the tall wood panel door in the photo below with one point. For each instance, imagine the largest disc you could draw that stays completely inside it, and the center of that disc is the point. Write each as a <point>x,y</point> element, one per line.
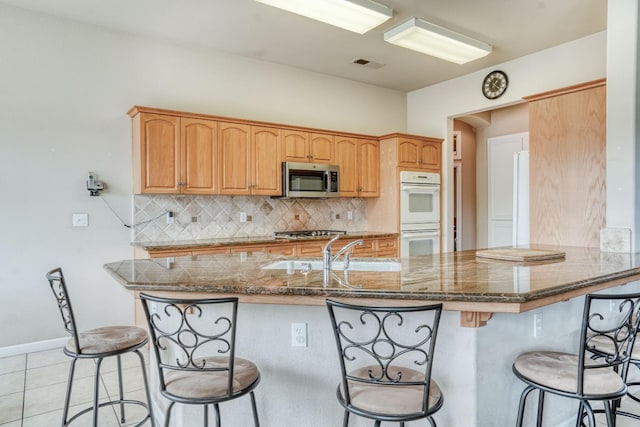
<point>159,150</point>
<point>199,156</point>
<point>234,158</point>
<point>368,168</point>
<point>266,161</point>
<point>346,158</point>
<point>567,169</point>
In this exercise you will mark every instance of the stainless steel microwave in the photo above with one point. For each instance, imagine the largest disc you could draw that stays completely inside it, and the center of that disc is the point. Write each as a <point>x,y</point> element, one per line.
<point>311,180</point>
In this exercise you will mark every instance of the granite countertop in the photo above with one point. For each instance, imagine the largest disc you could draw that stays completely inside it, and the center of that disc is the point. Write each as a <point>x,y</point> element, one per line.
<point>253,240</point>
<point>449,277</point>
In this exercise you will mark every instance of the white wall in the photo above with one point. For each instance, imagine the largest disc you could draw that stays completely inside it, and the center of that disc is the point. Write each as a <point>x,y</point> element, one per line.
<point>429,109</point>
<point>65,91</point>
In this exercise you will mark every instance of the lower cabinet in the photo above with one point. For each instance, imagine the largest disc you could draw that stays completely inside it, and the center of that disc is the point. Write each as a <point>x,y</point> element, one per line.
<point>383,247</point>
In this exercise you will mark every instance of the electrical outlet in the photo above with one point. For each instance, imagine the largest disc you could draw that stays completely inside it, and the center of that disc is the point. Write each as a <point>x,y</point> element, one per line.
<point>243,217</point>
<point>171,219</point>
<point>350,215</point>
<point>298,335</point>
<point>537,324</point>
<point>80,219</point>
<point>337,216</point>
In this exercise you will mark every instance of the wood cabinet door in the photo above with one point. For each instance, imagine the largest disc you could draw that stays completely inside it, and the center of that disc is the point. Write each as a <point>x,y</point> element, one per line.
<point>346,158</point>
<point>266,160</point>
<point>409,153</point>
<point>295,146</point>
<point>430,156</point>
<point>199,155</point>
<point>234,158</point>
<point>368,168</point>
<point>159,154</point>
<point>321,148</point>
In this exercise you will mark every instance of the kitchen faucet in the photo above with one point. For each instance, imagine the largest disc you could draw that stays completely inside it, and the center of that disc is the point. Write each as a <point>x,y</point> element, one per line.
<point>328,259</point>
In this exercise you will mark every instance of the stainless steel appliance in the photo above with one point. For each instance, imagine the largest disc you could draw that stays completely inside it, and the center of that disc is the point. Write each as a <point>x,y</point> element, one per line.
<point>310,180</point>
<point>419,213</point>
<point>301,234</point>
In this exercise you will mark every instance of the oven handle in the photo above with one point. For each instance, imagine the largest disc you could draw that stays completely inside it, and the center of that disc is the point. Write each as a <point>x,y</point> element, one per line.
<point>427,188</point>
<point>420,233</point>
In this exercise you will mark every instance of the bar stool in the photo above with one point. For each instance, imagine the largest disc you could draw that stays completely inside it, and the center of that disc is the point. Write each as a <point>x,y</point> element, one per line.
<point>98,344</point>
<point>577,376</point>
<point>185,334</point>
<point>601,347</point>
<point>386,354</point>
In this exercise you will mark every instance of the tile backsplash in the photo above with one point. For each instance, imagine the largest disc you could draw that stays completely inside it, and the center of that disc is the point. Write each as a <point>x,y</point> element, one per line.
<point>210,217</point>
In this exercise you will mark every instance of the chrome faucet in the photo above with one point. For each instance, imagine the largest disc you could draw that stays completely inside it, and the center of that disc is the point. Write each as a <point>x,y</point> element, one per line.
<point>326,258</point>
<point>347,253</point>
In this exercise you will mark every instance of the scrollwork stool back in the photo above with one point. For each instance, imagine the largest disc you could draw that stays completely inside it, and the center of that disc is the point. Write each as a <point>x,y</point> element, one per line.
<point>386,355</point>
<point>98,344</point>
<point>609,321</point>
<point>194,347</point>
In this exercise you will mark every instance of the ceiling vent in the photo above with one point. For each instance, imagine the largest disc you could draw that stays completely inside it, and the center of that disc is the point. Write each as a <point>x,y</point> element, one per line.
<point>367,63</point>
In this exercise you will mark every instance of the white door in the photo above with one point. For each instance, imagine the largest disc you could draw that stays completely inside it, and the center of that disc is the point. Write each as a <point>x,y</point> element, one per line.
<point>501,150</point>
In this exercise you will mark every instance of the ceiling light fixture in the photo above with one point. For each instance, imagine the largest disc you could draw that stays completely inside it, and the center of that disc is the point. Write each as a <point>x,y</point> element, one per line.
<point>431,39</point>
<point>358,16</point>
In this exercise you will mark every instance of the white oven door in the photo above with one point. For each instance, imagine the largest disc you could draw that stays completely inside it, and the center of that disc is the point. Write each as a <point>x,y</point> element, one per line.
<point>419,242</point>
<point>419,203</point>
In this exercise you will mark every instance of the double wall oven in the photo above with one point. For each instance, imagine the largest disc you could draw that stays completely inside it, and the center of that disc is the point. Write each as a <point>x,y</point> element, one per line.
<point>419,213</point>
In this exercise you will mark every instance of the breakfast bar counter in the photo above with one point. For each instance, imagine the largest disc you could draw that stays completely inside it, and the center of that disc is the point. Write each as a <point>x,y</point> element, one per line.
<point>531,305</point>
<point>462,281</point>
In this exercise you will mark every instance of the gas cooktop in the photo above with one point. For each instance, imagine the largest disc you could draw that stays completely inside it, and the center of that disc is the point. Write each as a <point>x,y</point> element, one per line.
<point>306,233</point>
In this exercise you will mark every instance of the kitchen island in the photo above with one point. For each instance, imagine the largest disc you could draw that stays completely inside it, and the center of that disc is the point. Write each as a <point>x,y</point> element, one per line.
<point>472,365</point>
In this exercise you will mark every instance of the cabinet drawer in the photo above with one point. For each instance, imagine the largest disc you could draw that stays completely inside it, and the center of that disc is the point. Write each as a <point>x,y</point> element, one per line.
<point>247,248</point>
<point>391,253</point>
<point>310,249</point>
<point>384,244</point>
<point>367,247</point>
<point>282,249</point>
<point>210,251</point>
<point>168,253</point>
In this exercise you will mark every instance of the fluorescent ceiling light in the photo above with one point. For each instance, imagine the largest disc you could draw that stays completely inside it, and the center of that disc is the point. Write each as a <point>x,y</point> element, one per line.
<point>358,16</point>
<point>437,41</point>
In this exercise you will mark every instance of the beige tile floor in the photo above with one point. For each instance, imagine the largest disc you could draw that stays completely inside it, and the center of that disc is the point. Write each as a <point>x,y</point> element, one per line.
<point>33,386</point>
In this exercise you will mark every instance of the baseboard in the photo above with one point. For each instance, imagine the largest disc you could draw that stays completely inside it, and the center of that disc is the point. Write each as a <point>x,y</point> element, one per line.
<point>31,347</point>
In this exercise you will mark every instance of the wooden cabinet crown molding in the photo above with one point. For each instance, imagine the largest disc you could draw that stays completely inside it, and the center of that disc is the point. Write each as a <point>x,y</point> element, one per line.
<point>407,135</point>
<point>566,90</point>
<point>136,109</point>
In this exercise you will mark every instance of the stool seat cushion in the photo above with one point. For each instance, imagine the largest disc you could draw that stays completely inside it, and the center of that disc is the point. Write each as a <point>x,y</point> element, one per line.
<point>559,371</point>
<point>202,384</point>
<point>389,399</point>
<point>110,339</point>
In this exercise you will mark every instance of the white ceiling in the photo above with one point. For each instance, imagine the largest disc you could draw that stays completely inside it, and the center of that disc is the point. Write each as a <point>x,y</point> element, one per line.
<point>245,27</point>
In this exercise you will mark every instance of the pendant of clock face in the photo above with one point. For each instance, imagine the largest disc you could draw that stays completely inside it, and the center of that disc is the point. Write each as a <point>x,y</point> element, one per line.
<point>495,84</point>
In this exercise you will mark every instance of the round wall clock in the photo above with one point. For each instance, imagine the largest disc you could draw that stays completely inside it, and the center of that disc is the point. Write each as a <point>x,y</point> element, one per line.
<point>495,84</point>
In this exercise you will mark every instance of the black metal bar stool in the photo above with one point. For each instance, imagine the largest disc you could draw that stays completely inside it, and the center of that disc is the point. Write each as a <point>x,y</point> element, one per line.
<point>577,376</point>
<point>98,344</point>
<point>386,354</point>
<point>194,347</point>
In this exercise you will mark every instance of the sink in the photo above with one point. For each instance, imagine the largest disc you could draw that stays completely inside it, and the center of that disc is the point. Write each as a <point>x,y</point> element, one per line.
<point>293,265</point>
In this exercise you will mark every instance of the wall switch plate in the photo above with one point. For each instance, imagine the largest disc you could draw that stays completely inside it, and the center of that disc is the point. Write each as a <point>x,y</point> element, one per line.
<point>243,217</point>
<point>298,335</point>
<point>350,215</point>
<point>80,219</point>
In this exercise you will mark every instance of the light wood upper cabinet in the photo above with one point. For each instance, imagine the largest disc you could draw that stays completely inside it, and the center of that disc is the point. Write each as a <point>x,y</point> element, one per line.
<point>234,142</point>
<point>368,168</point>
<point>265,161</point>
<point>308,147</point>
<point>174,155</point>
<point>199,153</point>
<point>250,159</point>
<point>359,161</point>
<point>321,148</point>
<point>418,154</point>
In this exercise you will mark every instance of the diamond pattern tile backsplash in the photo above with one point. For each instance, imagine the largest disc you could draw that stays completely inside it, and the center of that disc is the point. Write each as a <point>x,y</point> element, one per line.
<point>211,217</point>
